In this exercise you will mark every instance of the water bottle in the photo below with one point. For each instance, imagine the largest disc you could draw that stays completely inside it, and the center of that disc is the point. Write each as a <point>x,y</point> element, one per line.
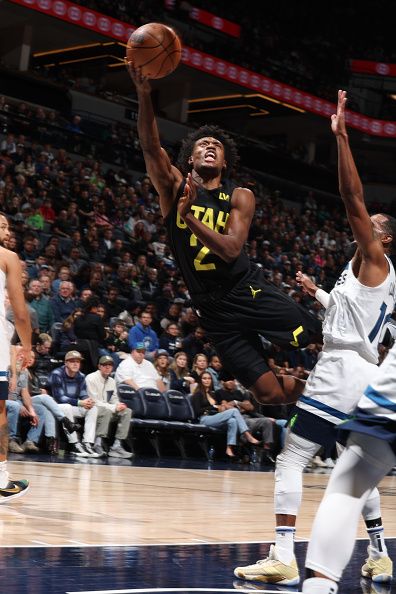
<point>211,454</point>
<point>253,456</point>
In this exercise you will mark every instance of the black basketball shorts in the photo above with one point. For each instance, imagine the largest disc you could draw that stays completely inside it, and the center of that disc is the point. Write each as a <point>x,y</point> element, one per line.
<point>254,307</point>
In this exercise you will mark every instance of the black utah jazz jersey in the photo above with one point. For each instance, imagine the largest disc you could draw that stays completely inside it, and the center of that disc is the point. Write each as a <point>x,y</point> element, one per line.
<point>202,270</point>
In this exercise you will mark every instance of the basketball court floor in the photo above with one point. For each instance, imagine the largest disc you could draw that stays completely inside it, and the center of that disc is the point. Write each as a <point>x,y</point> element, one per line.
<point>155,525</point>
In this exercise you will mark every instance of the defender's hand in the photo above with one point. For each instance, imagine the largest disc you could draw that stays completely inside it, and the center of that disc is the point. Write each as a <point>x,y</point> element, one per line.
<point>338,119</point>
<point>303,281</point>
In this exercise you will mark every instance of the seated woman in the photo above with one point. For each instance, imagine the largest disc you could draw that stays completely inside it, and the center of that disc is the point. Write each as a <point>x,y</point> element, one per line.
<point>180,375</point>
<point>199,365</point>
<point>161,363</point>
<point>212,414</point>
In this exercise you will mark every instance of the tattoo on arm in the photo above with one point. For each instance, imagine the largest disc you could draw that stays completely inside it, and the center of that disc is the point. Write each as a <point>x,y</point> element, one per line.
<point>4,439</point>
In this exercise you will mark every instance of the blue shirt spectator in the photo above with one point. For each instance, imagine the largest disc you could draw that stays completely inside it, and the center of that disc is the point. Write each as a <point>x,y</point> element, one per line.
<point>143,332</point>
<point>63,304</point>
<point>68,385</point>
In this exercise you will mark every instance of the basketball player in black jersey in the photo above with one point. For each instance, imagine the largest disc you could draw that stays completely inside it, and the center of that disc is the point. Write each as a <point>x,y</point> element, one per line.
<point>208,220</point>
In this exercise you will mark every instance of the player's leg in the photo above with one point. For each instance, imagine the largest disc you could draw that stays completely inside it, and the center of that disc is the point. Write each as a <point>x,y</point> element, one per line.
<point>9,489</point>
<point>359,469</point>
<point>281,567</point>
<point>378,565</point>
<point>244,356</point>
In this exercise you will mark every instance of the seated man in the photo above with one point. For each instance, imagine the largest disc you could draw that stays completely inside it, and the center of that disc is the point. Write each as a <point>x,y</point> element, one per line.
<point>21,411</point>
<point>101,388</point>
<point>137,371</point>
<point>69,389</point>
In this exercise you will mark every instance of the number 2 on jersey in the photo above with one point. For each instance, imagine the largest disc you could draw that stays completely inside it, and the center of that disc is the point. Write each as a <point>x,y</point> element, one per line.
<point>204,251</point>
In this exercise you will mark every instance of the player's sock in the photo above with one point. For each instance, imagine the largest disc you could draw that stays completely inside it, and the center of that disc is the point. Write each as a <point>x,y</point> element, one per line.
<point>117,444</point>
<point>284,543</point>
<point>375,532</point>
<point>3,474</point>
<point>319,586</point>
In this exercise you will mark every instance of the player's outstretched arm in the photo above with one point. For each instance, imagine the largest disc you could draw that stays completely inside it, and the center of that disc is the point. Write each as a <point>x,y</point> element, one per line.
<point>311,289</point>
<point>163,175</point>
<point>351,190</point>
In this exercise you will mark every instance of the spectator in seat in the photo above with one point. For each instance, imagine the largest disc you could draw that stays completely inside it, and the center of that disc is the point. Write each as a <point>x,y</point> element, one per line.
<point>52,411</point>
<point>63,304</point>
<point>116,343</point>
<point>199,365</point>
<point>143,333</point>
<point>161,363</point>
<point>101,387</point>
<point>173,315</point>
<point>195,343</point>
<point>215,368</point>
<point>181,378</point>
<point>44,363</point>
<point>111,303</point>
<point>259,425</point>
<point>68,387</point>
<point>41,305</point>
<point>90,327</point>
<point>21,411</point>
<point>170,339</point>
<point>137,371</point>
<point>212,414</point>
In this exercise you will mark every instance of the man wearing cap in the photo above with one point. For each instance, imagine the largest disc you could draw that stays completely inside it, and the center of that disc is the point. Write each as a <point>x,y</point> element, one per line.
<point>137,371</point>
<point>68,387</point>
<point>101,388</point>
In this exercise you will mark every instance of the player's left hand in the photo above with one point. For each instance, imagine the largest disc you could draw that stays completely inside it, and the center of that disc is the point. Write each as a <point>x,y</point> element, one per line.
<point>188,198</point>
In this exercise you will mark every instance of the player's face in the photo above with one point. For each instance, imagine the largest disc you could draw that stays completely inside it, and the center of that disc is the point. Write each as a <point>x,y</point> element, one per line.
<point>208,156</point>
<point>4,230</point>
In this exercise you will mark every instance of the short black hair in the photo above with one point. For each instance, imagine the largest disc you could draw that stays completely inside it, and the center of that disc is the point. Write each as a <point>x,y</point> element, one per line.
<point>389,227</point>
<point>230,147</point>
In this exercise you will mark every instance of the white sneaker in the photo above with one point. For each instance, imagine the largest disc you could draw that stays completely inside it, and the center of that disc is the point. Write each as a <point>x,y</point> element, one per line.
<point>270,571</point>
<point>77,449</point>
<point>329,462</point>
<point>90,451</point>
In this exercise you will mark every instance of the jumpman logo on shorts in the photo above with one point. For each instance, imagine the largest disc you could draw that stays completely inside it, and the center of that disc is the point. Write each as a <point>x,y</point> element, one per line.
<point>254,291</point>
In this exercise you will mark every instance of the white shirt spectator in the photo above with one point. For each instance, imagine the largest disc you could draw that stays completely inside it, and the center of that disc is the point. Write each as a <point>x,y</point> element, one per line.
<point>143,374</point>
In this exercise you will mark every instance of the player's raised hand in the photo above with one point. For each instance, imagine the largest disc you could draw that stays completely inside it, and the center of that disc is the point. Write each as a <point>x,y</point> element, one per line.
<point>189,196</point>
<point>338,119</point>
<point>307,285</point>
<point>141,82</point>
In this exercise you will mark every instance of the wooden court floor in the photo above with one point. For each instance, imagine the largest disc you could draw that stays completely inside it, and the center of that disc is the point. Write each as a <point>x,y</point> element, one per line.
<point>92,503</point>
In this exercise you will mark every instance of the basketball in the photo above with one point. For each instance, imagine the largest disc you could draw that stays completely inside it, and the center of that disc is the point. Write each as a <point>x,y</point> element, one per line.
<point>155,48</point>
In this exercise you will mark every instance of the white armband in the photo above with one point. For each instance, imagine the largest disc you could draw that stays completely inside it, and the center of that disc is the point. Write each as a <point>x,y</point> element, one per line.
<point>322,297</point>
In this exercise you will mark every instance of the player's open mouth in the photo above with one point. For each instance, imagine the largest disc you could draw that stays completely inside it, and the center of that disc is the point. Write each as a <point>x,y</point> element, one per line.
<point>210,156</point>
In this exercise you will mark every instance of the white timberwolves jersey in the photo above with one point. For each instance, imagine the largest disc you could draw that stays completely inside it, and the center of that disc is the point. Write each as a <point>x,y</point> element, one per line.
<point>4,333</point>
<point>379,398</point>
<point>356,314</point>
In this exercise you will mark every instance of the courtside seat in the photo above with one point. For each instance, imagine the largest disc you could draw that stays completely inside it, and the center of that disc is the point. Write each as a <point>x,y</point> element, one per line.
<point>185,425</point>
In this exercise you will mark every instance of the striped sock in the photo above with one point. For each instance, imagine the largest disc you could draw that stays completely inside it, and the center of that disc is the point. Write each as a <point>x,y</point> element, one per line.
<point>377,542</point>
<point>284,543</point>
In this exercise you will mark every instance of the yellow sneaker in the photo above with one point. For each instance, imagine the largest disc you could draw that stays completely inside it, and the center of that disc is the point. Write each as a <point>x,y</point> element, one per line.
<point>270,571</point>
<point>378,570</point>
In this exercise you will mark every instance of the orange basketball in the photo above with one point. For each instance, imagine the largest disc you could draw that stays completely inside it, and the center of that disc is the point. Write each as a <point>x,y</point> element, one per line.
<point>155,48</point>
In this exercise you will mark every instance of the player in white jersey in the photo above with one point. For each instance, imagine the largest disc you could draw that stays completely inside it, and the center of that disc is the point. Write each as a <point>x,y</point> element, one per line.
<point>356,311</point>
<point>10,277</point>
<point>369,455</point>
